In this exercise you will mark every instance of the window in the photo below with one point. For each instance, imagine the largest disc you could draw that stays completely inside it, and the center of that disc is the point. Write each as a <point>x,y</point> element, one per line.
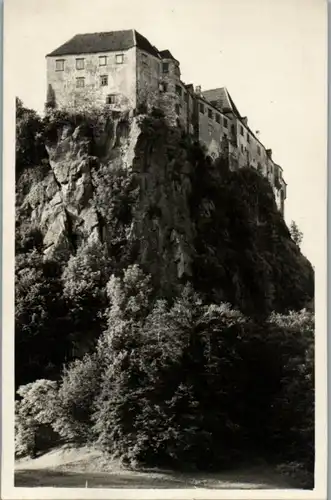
<point>165,67</point>
<point>144,58</point>
<point>225,122</point>
<point>79,63</point>
<point>248,137</point>
<point>178,90</point>
<point>110,99</point>
<point>163,87</point>
<point>103,61</point>
<point>104,80</point>
<point>202,108</point>
<point>80,82</point>
<point>241,130</point>
<point>177,109</point>
<point>210,113</point>
<point>218,118</point>
<point>59,65</point>
<point>242,148</point>
<point>119,58</point>
<point>259,150</point>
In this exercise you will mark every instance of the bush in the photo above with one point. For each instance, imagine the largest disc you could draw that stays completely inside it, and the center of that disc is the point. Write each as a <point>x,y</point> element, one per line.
<point>42,322</point>
<point>30,149</point>
<point>34,416</point>
<point>79,387</point>
<point>292,421</point>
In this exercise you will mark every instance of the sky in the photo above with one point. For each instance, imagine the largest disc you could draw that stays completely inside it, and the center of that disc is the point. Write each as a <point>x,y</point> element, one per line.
<point>271,56</point>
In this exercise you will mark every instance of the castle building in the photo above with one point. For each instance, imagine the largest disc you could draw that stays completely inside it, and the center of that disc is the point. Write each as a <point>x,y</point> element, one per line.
<point>122,70</point>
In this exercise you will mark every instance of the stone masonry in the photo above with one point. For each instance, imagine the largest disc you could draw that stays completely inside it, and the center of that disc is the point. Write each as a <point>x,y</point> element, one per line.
<point>123,71</point>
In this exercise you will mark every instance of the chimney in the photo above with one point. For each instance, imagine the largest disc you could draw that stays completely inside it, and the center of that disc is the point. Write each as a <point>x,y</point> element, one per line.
<point>198,89</point>
<point>269,153</point>
<point>245,120</point>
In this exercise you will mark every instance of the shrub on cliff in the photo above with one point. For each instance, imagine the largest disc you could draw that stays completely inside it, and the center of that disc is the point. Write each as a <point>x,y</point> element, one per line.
<point>115,193</point>
<point>30,149</point>
<point>245,254</point>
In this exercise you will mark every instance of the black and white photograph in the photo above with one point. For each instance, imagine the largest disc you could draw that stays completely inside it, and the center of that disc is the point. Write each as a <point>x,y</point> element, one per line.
<point>164,249</point>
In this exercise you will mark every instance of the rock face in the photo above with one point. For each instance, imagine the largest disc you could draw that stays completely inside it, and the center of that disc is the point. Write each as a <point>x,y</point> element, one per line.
<point>64,201</point>
<point>135,184</point>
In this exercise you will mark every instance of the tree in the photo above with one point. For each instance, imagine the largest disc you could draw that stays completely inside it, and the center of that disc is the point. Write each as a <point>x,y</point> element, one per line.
<point>296,234</point>
<point>84,289</point>
<point>119,348</point>
<point>34,414</point>
<point>80,385</point>
<point>293,411</point>
<point>42,320</point>
<point>30,149</point>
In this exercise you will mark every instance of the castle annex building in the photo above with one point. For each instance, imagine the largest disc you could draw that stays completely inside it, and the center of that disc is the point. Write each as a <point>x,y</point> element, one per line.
<point>124,71</point>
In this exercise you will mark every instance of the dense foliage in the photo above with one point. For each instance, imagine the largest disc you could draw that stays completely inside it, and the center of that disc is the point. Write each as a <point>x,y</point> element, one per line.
<point>30,148</point>
<point>219,369</point>
<point>244,251</point>
<point>42,319</point>
<point>194,384</point>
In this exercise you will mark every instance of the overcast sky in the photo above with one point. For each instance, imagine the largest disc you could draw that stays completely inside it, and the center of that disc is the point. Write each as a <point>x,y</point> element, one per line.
<point>270,54</point>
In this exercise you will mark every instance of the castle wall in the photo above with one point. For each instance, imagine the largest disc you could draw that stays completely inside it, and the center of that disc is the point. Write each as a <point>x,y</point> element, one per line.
<point>213,127</point>
<point>148,78</point>
<point>121,84</point>
<point>128,79</point>
<point>171,101</point>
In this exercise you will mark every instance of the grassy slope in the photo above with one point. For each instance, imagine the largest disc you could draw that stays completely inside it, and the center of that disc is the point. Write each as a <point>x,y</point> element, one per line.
<point>81,468</point>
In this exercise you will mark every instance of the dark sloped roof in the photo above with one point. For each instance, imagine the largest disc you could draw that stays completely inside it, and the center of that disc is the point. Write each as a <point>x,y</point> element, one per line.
<point>90,43</point>
<point>166,54</point>
<point>144,44</point>
<point>222,97</point>
<point>234,107</point>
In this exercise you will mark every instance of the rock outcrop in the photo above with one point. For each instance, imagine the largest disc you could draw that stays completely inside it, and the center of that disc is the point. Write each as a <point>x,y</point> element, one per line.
<point>149,193</point>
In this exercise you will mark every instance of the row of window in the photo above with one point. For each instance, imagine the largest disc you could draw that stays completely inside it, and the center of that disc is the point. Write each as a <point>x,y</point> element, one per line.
<point>80,62</point>
<point>80,81</point>
<point>211,115</point>
<point>248,138</point>
<point>258,149</point>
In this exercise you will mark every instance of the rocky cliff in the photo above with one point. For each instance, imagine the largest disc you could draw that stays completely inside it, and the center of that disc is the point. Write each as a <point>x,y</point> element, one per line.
<point>150,195</point>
